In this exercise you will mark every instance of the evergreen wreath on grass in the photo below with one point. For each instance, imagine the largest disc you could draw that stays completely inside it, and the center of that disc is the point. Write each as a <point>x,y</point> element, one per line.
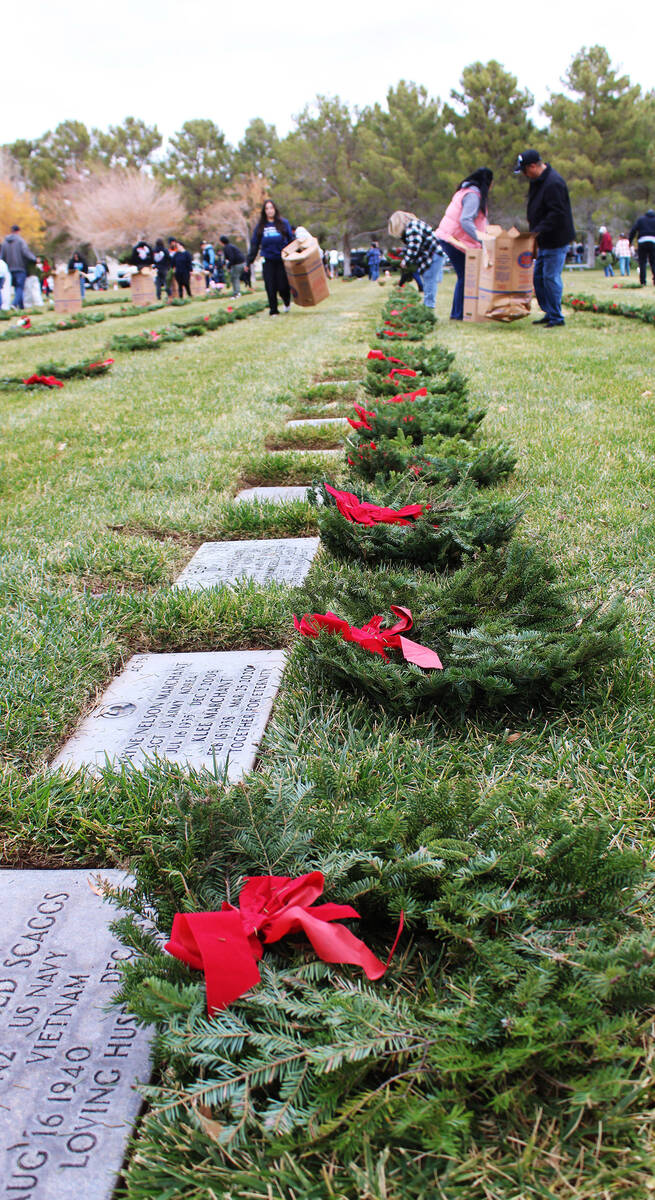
<point>611,308</point>
<point>50,374</point>
<point>74,321</point>
<point>418,417</point>
<point>454,524</point>
<point>524,995</point>
<point>437,460</point>
<point>154,339</point>
<point>445,383</point>
<point>506,633</point>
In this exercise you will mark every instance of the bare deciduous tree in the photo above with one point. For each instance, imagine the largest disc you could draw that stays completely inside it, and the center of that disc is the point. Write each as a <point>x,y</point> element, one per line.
<point>109,210</point>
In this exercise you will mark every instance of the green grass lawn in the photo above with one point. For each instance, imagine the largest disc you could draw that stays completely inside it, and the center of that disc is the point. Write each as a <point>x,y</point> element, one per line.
<point>107,487</point>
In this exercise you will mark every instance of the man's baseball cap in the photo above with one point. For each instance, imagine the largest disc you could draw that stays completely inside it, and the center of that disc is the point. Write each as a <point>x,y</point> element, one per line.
<point>525,159</point>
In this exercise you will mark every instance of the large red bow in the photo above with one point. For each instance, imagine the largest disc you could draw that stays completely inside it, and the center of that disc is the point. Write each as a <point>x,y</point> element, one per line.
<point>371,637</point>
<point>361,512</point>
<point>227,945</point>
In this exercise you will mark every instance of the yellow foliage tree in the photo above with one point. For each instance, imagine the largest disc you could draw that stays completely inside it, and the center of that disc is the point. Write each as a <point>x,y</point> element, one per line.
<point>16,208</point>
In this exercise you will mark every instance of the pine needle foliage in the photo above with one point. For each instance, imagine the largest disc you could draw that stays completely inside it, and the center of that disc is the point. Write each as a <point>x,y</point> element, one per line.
<point>438,460</point>
<point>507,634</point>
<point>445,415</point>
<point>460,521</point>
<point>521,992</point>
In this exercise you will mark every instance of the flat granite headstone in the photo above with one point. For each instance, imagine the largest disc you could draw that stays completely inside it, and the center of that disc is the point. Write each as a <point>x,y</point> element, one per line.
<point>67,1067</point>
<point>274,560</point>
<point>271,495</point>
<point>191,709</point>
<point>317,421</point>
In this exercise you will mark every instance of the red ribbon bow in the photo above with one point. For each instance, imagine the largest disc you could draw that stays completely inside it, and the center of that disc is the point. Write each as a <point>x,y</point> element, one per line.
<point>407,371</point>
<point>364,414</point>
<point>405,397</point>
<point>361,512</point>
<point>107,362</point>
<point>46,380</point>
<point>227,945</point>
<point>382,357</point>
<point>371,637</point>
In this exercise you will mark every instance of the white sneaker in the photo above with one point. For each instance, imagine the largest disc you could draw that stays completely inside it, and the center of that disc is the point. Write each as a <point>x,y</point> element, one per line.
<point>287,308</point>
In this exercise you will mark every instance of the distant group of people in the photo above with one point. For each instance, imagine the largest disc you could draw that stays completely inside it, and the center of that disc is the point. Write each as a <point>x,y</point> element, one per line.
<point>643,231</point>
<point>271,234</point>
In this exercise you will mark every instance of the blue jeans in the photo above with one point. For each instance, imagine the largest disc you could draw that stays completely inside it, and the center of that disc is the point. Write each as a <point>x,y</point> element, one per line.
<point>548,283</point>
<point>609,269</point>
<point>624,265</point>
<point>18,279</point>
<point>458,261</point>
<point>374,271</point>
<point>431,277</point>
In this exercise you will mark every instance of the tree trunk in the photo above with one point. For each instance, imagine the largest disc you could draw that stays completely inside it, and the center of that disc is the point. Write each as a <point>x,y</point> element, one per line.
<point>345,247</point>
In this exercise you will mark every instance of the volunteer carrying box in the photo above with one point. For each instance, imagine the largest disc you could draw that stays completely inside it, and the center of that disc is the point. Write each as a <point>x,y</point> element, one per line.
<point>303,263</point>
<point>498,276</point>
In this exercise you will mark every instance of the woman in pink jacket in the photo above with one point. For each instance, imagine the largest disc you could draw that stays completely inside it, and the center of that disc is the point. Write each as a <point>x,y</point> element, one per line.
<point>463,221</point>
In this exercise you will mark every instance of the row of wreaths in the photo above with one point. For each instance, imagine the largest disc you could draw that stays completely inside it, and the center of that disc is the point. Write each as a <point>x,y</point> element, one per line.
<point>425,529</point>
<point>53,374</point>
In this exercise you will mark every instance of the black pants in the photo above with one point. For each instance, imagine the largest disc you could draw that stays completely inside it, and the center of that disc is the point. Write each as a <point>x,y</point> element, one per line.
<point>183,281</point>
<point>160,285</point>
<point>275,280</point>
<point>646,254</point>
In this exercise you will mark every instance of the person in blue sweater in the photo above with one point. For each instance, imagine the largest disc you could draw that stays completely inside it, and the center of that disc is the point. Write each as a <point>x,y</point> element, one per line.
<point>271,234</point>
<point>373,259</point>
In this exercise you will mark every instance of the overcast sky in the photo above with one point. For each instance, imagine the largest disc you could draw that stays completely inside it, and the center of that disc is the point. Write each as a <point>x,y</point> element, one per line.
<point>168,62</point>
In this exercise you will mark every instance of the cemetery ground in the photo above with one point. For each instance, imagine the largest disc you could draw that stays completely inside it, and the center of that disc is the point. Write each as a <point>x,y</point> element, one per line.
<point>109,486</point>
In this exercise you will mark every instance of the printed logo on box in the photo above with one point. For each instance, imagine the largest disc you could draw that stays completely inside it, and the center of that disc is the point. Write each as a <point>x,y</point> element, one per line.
<point>525,258</point>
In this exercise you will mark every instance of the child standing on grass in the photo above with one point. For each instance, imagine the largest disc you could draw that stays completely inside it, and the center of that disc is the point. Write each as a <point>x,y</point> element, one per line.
<point>623,254</point>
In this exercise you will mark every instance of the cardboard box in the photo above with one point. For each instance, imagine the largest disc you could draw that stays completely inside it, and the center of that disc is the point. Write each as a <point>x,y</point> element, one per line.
<point>498,276</point>
<point>303,263</point>
<point>67,292</point>
<point>142,288</point>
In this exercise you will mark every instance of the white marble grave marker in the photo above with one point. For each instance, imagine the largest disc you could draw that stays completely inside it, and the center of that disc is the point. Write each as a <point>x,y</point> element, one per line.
<point>67,1066</point>
<point>317,421</point>
<point>274,560</point>
<point>189,709</point>
<point>271,495</point>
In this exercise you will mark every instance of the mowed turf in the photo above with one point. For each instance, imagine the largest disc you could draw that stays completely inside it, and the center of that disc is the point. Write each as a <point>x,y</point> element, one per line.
<point>109,484</point>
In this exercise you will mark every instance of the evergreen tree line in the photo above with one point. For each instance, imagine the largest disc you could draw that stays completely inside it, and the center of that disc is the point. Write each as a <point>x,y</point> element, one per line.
<point>341,170</point>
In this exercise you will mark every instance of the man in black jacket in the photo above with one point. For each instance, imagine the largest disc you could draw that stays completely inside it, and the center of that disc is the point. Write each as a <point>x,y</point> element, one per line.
<point>644,231</point>
<point>551,220</point>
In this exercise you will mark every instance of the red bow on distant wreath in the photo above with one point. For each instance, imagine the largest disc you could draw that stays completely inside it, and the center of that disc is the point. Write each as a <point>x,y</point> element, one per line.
<point>371,637</point>
<point>382,357</point>
<point>405,397</point>
<point>393,333</point>
<point>107,362</point>
<point>364,414</point>
<point>227,945</point>
<point>406,371</point>
<point>361,512</point>
<point>46,380</point>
